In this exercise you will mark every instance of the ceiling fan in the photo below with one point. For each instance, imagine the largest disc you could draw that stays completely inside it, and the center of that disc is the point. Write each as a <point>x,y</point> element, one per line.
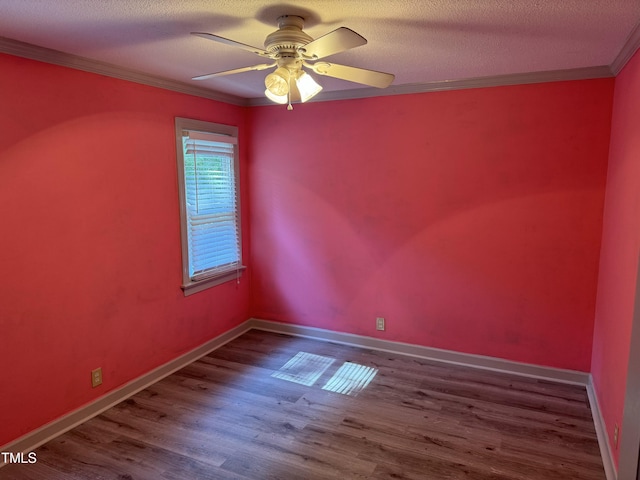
<point>290,50</point>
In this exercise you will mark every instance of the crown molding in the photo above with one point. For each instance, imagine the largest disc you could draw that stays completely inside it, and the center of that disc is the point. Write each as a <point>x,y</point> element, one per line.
<point>480,82</point>
<point>630,47</point>
<point>56,57</point>
<point>47,55</point>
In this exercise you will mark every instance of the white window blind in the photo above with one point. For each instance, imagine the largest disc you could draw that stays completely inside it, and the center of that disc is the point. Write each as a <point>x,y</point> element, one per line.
<point>212,219</point>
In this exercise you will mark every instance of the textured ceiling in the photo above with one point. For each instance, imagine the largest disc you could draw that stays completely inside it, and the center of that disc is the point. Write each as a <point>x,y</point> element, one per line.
<point>420,41</point>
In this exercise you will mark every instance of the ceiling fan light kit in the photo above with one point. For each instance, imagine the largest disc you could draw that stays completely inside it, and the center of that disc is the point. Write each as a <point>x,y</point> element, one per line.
<point>291,50</point>
<point>277,82</point>
<point>308,87</point>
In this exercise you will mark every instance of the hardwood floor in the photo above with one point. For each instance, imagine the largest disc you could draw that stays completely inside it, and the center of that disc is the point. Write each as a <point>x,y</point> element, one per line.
<point>226,417</point>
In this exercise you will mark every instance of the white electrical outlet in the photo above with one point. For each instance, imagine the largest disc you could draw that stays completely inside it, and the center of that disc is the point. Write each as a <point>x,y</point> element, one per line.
<point>96,377</point>
<point>379,323</point>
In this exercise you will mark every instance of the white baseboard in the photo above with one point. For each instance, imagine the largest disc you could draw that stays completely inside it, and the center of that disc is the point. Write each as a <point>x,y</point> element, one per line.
<point>601,432</point>
<point>449,356</point>
<point>35,438</point>
<point>476,361</point>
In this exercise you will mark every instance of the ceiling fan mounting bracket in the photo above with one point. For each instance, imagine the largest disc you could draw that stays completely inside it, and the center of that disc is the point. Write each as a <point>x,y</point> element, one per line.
<point>289,37</point>
<point>290,62</point>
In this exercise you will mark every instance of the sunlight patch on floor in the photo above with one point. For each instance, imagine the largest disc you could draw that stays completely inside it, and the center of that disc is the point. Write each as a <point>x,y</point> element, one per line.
<point>304,368</point>
<point>350,379</point>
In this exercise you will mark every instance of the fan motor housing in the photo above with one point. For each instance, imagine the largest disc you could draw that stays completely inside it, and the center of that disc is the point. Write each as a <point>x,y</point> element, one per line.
<point>289,37</point>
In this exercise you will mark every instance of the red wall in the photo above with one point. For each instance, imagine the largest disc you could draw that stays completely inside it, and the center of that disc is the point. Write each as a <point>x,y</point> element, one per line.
<point>90,244</point>
<point>620,246</point>
<point>471,220</point>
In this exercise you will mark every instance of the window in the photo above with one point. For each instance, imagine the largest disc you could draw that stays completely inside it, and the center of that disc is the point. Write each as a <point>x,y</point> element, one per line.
<point>209,203</point>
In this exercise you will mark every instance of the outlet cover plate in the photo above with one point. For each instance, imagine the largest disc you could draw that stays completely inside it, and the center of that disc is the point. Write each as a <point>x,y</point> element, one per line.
<point>96,377</point>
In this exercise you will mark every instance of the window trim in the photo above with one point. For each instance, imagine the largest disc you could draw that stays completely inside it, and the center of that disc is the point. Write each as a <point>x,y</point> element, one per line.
<point>190,286</point>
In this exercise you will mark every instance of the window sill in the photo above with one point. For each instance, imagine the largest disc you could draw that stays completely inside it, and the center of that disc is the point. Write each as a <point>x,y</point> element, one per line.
<point>198,286</point>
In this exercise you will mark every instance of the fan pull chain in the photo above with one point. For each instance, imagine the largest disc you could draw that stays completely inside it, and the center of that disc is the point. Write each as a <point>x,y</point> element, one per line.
<point>289,107</point>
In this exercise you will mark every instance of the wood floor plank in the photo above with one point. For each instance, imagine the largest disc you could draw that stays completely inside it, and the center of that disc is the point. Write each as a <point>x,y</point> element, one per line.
<point>226,417</point>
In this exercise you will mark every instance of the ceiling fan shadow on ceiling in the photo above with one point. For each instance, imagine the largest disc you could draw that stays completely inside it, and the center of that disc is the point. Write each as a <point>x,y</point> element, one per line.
<point>290,50</point>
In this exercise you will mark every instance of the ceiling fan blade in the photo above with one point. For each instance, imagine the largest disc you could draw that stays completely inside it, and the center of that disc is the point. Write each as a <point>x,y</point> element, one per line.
<point>334,42</point>
<point>262,66</point>
<point>353,74</point>
<point>233,43</point>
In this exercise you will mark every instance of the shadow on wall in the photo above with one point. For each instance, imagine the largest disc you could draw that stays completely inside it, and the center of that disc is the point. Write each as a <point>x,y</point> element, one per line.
<point>493,279</point>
